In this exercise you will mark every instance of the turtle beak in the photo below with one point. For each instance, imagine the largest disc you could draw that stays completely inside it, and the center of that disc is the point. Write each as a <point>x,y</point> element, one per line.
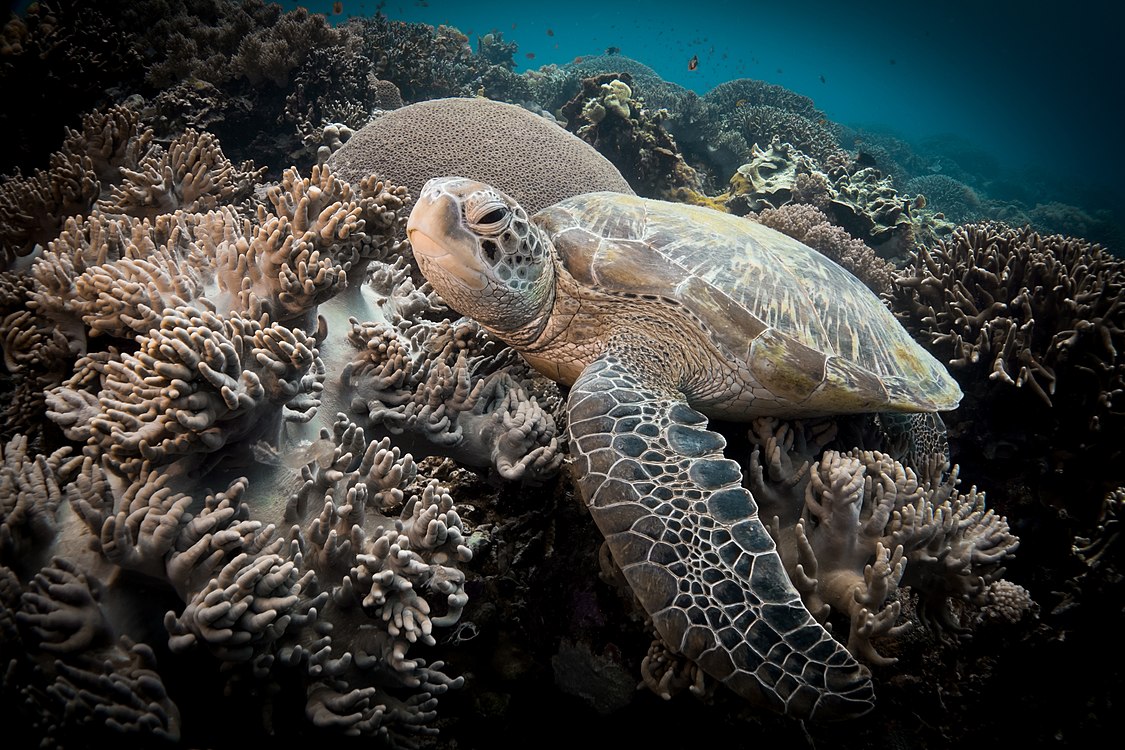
<point>441,244</point>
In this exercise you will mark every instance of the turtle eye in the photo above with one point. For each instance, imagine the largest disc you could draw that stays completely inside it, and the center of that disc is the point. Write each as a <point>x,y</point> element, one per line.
<point>491,218</point>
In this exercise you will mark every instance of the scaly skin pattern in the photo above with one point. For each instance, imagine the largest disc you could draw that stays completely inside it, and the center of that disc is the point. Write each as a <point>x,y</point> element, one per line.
<point>688,539</point>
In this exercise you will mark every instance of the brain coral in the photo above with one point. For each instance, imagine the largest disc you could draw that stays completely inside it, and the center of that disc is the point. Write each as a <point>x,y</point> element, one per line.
<point>502,144</point>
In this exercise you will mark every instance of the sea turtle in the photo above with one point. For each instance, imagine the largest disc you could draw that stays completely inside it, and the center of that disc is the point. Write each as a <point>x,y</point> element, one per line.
<point>659,315</point>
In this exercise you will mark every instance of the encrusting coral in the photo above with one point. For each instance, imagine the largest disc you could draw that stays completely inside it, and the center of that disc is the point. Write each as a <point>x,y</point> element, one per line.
<point>768,179</point>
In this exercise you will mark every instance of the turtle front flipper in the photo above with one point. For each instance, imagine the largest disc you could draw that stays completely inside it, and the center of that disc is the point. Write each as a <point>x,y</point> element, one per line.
<point>687,537</point>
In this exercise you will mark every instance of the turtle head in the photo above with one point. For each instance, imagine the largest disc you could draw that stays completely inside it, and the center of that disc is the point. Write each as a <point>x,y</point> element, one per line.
<point>482,254</point>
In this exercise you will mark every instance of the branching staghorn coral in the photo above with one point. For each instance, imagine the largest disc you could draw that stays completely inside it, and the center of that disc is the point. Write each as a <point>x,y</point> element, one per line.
<point>853,527</point>
<point>1033,328</point>
<point>1103,547</point>
<point>1028,309</point>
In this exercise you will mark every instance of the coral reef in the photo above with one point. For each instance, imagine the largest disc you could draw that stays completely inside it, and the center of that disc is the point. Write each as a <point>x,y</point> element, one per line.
<point>554,86</point>
<point>761,123</point>
<point>741,114</point>
<point>730,96</point>
<point>60,58</point>
<point>221,515</point>
<point>492,47</point>
<point>1103,548</point>
<point>869,206</point>
<point>83,685</point>
<point>1033,329</point>
<point>423,61</point>
<point>502,144</point>
<point>769,179</point>
<point>956,200</point>
<point>607,116</point>
<point>1038,313</point>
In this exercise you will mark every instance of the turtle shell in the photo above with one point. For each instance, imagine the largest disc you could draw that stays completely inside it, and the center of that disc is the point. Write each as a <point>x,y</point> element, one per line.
<point>803,324</point>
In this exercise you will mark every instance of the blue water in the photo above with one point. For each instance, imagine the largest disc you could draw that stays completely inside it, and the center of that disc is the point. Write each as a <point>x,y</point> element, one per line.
<point>1036,85</point>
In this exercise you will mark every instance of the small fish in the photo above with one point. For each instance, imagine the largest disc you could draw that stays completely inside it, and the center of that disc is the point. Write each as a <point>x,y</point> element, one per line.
<point>613,50</point>
<point>530,55</point>
<point>550,32</point>
<point>321,451</point>
<point>693,63</point>
<point>337,8</point>
<point>892,61</point>
<point>779,70</point>
<point>740,103</point>
<point>513,27</point>
<point>822,80</point>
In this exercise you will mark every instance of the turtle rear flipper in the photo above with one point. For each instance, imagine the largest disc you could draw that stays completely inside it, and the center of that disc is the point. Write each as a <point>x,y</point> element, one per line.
<point>687,538</point>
